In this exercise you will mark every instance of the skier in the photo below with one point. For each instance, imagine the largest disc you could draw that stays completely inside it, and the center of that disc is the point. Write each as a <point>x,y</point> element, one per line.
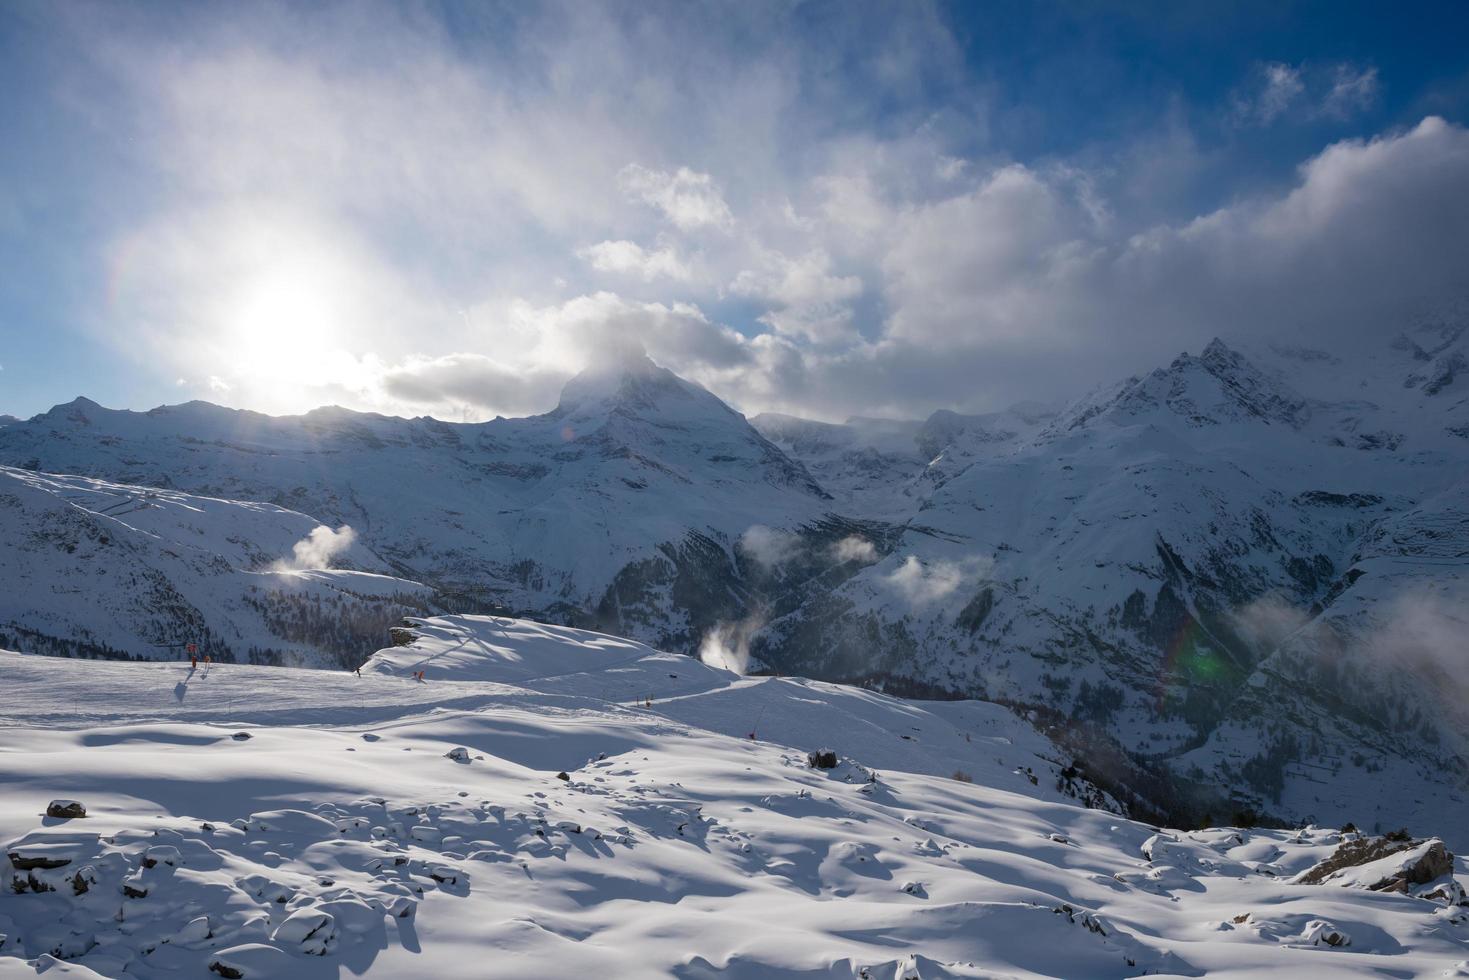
<point>193,663</point>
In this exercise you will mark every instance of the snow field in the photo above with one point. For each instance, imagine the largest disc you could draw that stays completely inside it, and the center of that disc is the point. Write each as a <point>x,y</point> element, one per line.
<point>343,837</point>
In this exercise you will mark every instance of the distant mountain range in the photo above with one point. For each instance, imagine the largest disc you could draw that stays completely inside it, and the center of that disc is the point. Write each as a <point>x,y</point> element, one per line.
<point>1234,585</point>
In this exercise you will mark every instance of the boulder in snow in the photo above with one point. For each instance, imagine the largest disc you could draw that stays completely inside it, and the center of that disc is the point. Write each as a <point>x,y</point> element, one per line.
<point>822,759</point>
<point>1319,932</point>
<point>65,809</point>
<point>252,960</point>
<point>1382,864</point>
<point>307,930</point>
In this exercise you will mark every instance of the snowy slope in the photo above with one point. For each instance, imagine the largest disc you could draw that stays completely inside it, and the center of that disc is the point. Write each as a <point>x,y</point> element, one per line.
<point>100,568</point>
<point>343,835</point>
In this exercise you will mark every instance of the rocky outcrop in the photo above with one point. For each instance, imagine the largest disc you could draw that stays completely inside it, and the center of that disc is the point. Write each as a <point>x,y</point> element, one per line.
<point>1372,859</point>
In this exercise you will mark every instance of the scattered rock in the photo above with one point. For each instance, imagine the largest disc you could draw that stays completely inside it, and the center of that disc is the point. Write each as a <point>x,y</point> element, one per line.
<point>65,809</point>
<point>1319,932</point>
<point>162,854</point>
<point>37,860</point>
<point>822,759</point>
<point>83,880</point>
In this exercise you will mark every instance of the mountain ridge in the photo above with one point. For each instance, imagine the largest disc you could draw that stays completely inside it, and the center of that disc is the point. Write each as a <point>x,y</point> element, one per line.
<point>1116,562</point>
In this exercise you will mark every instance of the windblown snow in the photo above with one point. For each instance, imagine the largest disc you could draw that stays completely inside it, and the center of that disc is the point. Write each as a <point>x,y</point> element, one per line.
<point>495,797</point>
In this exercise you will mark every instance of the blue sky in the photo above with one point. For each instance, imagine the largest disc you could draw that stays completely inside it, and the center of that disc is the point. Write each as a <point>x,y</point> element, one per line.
<point>822,208</point>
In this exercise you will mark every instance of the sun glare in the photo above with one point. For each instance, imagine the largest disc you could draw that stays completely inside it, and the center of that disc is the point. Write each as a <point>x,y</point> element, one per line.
<point>285,318</point>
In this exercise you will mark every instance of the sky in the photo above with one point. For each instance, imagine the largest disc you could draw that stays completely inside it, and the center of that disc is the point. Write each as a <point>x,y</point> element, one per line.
<point>822,208</point>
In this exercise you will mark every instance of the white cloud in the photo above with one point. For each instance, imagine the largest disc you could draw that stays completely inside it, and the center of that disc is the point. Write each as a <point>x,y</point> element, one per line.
<point>1281,85</point>
<point>688,199</point>
<point>811,303</point>
<point>1352,90</point>
<point>805,280</point>
<point>630,258</point>
<point>1307,91</point>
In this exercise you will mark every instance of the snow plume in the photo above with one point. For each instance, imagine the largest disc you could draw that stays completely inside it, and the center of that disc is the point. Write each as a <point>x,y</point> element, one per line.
<point>317,549</point>
<point>768,546</point>
<point>854,548</point>
<point>1266,622</point>
<point>921,583</point>
<point>727,645</point>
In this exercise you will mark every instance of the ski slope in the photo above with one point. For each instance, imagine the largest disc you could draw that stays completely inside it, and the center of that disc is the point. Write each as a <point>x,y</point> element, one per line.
<point>385,826</point>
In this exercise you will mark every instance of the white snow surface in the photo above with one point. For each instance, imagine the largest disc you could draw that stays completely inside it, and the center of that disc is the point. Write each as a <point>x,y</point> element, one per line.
<point>342,837</point>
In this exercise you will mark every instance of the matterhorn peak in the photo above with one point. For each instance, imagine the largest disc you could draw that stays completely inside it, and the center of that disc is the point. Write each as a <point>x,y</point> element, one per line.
<point>627,381</point>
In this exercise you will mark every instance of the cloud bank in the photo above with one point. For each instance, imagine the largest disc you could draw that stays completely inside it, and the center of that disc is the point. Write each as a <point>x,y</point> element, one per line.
<point>400,221</point>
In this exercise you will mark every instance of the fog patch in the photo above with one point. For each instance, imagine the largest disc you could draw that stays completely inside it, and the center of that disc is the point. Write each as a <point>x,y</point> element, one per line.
<point>855,548</point>
<point>922,583</point>
<point>317,549</point>
<point>727,645</point>
<point>1268,621</point>
<point>1426,629</point>
<point>769,547</point>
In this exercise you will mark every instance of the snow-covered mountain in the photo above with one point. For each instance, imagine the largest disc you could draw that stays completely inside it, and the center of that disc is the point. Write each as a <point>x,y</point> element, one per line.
<point>1198,577</point>
<point>93,568</point>
<point>547,801</point>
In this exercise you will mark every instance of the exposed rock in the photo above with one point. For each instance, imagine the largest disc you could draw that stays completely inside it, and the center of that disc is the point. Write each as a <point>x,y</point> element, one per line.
<point>83,880</point>
<point>458,754</point>
<point>37,862</point>
<point>65,809</point>
<point>564,777</point>
<point>240,736</point>
<point>162,854</point>
<point>822,759</point>
<point>1320,932</point>
<point>401,636</point>
<point>1432,861</point>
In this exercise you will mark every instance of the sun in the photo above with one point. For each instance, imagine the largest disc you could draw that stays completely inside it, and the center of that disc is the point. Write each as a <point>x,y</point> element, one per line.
<point>283,319</point>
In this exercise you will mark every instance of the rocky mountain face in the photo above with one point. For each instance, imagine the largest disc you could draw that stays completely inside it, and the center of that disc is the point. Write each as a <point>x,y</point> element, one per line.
<point>1241,570</point>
